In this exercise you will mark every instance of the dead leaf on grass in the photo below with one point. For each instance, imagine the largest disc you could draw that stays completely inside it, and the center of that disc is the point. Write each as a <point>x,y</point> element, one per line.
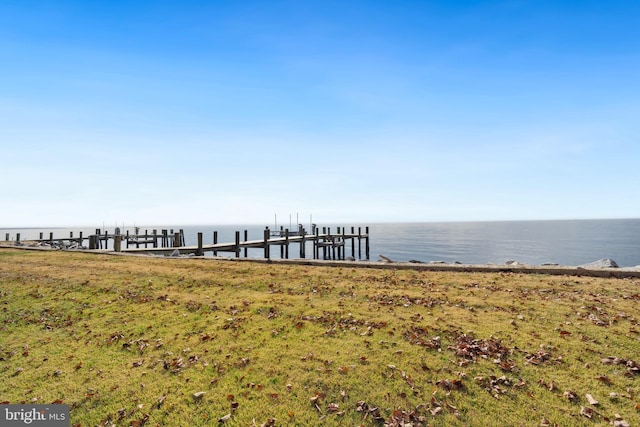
<point>271,422</point>
<point>160,401</point>
<point>586,412</point>
<point>142,421</point>
<point>333,407</point>
<point>572,396</point>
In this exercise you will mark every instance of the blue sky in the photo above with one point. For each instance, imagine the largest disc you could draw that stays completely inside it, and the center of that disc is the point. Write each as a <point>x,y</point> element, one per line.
<point>198,112</point>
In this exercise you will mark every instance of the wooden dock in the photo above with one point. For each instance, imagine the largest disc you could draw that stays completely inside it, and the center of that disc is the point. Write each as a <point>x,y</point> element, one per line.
<point>324,243</point>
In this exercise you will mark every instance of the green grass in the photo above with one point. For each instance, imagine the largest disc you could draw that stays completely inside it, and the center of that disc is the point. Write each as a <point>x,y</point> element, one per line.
<point>127,340</point>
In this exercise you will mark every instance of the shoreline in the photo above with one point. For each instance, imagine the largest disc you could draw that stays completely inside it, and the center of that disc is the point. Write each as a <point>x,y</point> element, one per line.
<point>511,267</point>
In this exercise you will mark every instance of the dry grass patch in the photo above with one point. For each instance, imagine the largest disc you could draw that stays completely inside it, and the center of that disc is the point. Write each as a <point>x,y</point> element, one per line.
<point>145,341</point>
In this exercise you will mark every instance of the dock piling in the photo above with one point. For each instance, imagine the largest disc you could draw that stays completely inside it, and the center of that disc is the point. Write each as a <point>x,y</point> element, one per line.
<point>267,255</point>
<point>237,244</point>
<point>200,252</point>
<point>366,242</point>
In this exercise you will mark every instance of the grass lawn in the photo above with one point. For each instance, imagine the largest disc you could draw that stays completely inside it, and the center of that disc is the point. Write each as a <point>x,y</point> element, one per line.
<point>145,341</point>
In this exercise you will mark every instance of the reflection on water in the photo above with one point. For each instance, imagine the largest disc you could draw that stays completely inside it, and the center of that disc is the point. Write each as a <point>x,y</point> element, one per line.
<point>573,242</point>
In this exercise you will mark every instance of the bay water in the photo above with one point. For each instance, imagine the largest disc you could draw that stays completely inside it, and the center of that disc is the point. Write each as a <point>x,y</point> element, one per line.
<point>563,242</point>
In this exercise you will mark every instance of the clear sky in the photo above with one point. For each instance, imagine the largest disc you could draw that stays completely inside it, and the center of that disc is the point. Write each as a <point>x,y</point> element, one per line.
<point>212,112</point>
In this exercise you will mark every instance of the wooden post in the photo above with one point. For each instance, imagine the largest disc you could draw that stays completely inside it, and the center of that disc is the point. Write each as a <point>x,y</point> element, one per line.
<point>71,235</point>
<point>303,245</point>
<point>324,240</point>
<point>117,243</point>
<point>265,238</point>
<point>366,242</point>
<point>176,240</point>
<point>286,243</point>
<point>146,238</point>
<point>155,238</point>
<point>359,242</point>
<point>344,244</point>
<point>215,242</point>
<point>182,241</point>
<point>40,236</point>
<point>353,244</point>
<point>200,252</point>
<point>246,238</point>
<point>81,239</point>
<point>237,244</point>
<point>333,249</point>
<point>92,242</point>
<point>17,237</point>
<point>315,244</point>
<point>281,245</point>
<point>51,239</point>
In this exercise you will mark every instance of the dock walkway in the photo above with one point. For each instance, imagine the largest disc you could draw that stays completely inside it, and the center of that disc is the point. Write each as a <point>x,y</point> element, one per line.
<point>325,245</point>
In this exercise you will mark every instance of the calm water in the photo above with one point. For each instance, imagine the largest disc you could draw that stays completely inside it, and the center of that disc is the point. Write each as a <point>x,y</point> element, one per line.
<point>572,242</point>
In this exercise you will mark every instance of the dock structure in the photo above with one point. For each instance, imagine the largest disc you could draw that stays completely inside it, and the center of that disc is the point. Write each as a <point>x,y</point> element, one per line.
<point>324,243</point>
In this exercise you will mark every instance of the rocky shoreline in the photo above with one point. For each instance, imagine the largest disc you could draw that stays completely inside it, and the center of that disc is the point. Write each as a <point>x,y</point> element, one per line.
<point>600,268</point>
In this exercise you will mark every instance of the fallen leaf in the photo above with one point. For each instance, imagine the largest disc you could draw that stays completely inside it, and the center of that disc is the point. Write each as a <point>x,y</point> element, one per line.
<point>271,422</point>
<point>586,412</point>
<point>224,419</point>
<point>160,401</point>
<point>140,422</point>
<point>435,411</point>
<point>591,400</point>
<point>198,395</point>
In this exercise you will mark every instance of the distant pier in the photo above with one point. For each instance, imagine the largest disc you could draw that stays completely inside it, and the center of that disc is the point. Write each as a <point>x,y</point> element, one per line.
<point>341,244</point>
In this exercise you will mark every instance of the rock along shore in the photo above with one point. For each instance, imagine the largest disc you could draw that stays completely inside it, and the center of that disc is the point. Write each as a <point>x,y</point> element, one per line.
<point>600,268</point>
